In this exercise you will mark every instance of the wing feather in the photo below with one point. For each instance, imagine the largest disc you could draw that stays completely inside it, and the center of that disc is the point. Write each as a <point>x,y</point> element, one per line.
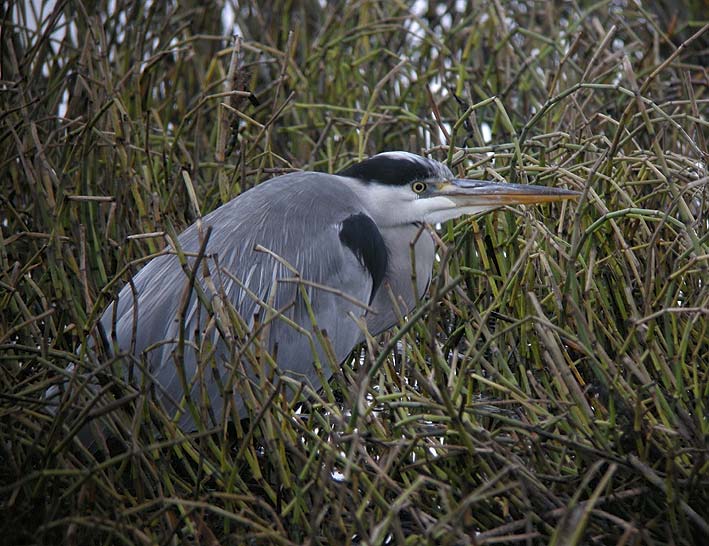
<point>298,217</point>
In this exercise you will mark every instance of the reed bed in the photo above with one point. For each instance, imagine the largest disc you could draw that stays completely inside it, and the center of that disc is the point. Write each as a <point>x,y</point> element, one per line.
<point>551,390</point>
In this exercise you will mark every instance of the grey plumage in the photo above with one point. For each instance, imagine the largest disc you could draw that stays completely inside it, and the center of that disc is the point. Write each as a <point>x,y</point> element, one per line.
<point>347,237</point>
<point>270,215</point>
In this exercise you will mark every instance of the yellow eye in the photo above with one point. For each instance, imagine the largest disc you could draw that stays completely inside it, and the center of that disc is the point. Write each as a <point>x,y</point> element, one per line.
<point>418,187</point>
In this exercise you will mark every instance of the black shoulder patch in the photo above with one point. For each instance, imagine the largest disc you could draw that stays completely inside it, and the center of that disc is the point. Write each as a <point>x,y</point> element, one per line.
<point>361,235</point>
<point>390,170</point>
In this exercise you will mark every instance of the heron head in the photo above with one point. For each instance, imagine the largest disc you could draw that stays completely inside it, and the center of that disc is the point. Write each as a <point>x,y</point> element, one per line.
<point>401,188</point>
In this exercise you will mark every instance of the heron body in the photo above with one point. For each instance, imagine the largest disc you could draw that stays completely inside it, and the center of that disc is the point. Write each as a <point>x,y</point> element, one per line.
<point>347,237</point>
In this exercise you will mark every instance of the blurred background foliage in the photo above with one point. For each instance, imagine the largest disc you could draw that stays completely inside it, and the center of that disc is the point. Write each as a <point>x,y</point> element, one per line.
<point>556,392</point>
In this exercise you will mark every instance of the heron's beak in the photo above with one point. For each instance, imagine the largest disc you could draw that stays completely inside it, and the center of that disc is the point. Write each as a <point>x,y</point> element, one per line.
<point>479,193</point>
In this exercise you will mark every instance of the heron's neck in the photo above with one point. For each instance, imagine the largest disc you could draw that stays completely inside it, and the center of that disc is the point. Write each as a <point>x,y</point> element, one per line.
<point>403,286</point>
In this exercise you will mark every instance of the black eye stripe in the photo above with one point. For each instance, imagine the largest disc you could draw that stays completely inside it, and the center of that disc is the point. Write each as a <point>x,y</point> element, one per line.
<point>396,169</point>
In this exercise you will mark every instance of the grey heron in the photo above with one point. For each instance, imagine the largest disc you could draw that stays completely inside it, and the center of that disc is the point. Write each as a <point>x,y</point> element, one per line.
<point>344,238</point>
